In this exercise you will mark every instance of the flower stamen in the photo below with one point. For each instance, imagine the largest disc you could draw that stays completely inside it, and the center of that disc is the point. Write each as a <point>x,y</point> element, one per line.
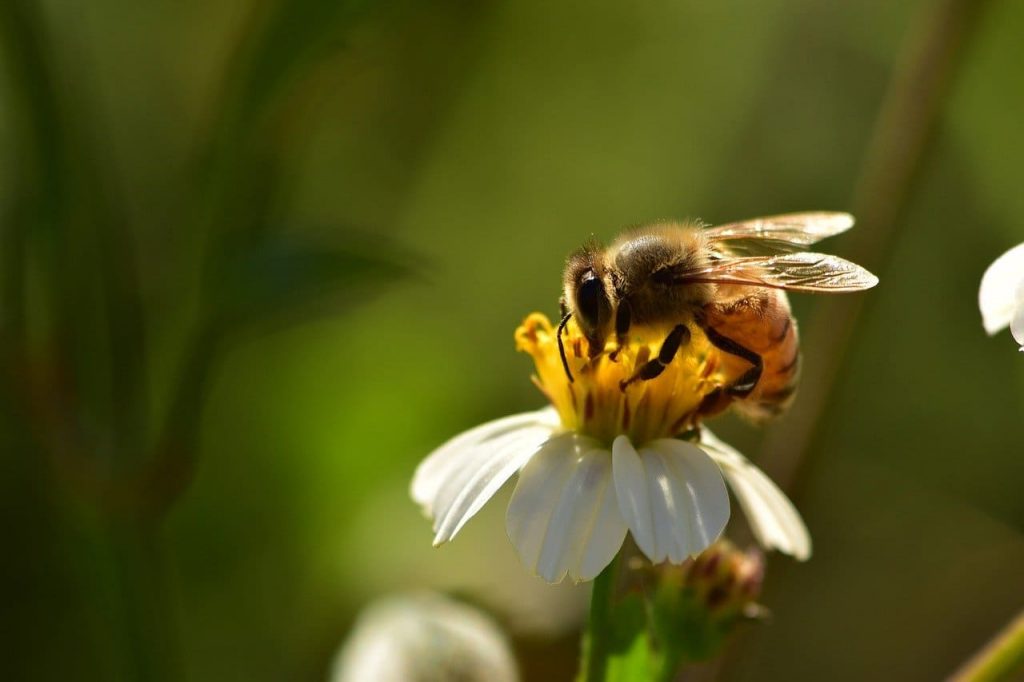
<point>604,396</point>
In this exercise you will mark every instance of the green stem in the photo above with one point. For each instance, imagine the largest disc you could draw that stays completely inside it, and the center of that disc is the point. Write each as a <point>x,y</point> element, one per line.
<point>173,464</point>
<point>148,632</point>
<point>999,659</point>
<point>596,647</point>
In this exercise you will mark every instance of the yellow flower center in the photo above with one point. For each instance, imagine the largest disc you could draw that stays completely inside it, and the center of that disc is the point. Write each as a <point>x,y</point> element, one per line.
<point>597,402</point>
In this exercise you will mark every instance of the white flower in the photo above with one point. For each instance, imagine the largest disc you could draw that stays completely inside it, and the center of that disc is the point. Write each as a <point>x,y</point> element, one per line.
<point>602,460</point>
<point>1001,295</point>
<point>424,638</point>
<point>576,498</point>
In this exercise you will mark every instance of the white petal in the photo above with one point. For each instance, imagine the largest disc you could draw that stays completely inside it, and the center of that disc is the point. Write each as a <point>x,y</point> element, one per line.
<point>537,492</point>
<point>608,532</point>
<point>672,496</point>
<point>1001,293</point>
<point>1017,326</point>
<point>773,518</point>
<point>563,518</point>
<point>467,490</point>
<point>631,488</point>
<point>460,476</point>
<point>696,481</point>
<point>572,520</point>
<point>671,525</point>
<point>453,456</point>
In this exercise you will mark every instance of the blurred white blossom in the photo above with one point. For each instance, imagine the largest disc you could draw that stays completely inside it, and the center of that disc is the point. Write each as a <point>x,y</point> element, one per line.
<point>1001,296</point>
<point>424,637</point>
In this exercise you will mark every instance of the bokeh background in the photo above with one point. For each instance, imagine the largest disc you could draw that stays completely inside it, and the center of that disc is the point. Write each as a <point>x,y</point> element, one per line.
<point>259,258</point>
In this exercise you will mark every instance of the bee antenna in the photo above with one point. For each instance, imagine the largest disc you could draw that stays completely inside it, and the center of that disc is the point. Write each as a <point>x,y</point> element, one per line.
<point>561,346</point>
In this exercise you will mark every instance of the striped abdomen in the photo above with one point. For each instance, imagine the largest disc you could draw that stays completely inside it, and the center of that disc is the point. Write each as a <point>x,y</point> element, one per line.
<point>761,322</point>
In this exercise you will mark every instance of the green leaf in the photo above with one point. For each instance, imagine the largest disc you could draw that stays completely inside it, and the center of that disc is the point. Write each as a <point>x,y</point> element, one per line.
<point>294,34</point>
<point>290,277</point>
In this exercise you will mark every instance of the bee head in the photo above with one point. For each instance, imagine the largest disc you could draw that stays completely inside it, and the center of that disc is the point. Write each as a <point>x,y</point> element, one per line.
<point>587,295</point>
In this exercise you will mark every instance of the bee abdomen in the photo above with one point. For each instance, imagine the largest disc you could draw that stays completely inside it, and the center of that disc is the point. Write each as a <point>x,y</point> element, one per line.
<point>763,324</point>
<point>775,391</point>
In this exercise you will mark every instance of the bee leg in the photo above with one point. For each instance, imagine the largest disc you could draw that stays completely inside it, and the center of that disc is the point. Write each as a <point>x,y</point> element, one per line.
<point>714,402</point>
<point>679,336</point>
<point>746,383</point>
<point>622,322</point>
<point>561,346</point>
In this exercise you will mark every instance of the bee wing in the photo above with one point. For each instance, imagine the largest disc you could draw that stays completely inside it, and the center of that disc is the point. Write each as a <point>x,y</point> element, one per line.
<point>812,272</point>
<point>779,234</point>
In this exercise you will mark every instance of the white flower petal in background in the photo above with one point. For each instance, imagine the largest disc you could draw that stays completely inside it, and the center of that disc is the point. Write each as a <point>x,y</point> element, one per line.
<point>563,517</point>
<point>424,637</point>
<point>774,520</point>
<point>672,496</point>
<point>1017,326</point>
<point>1001,295</point>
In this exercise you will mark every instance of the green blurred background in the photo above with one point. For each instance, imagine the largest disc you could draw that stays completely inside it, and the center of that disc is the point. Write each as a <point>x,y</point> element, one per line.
<point>259,258</point>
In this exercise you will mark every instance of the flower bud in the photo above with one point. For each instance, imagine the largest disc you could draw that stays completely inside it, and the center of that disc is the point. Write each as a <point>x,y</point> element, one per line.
<point>726,580</point>
<point>697,604</point>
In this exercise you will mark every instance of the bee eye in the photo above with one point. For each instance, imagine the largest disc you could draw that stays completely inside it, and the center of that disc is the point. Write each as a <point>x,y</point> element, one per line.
<point>589,297</point>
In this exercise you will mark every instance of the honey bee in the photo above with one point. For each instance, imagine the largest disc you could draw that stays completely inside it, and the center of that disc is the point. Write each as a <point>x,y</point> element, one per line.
<point>728,282</point>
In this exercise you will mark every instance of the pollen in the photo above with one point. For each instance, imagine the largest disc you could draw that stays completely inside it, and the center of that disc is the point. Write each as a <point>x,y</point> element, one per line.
<point>602,401</point>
